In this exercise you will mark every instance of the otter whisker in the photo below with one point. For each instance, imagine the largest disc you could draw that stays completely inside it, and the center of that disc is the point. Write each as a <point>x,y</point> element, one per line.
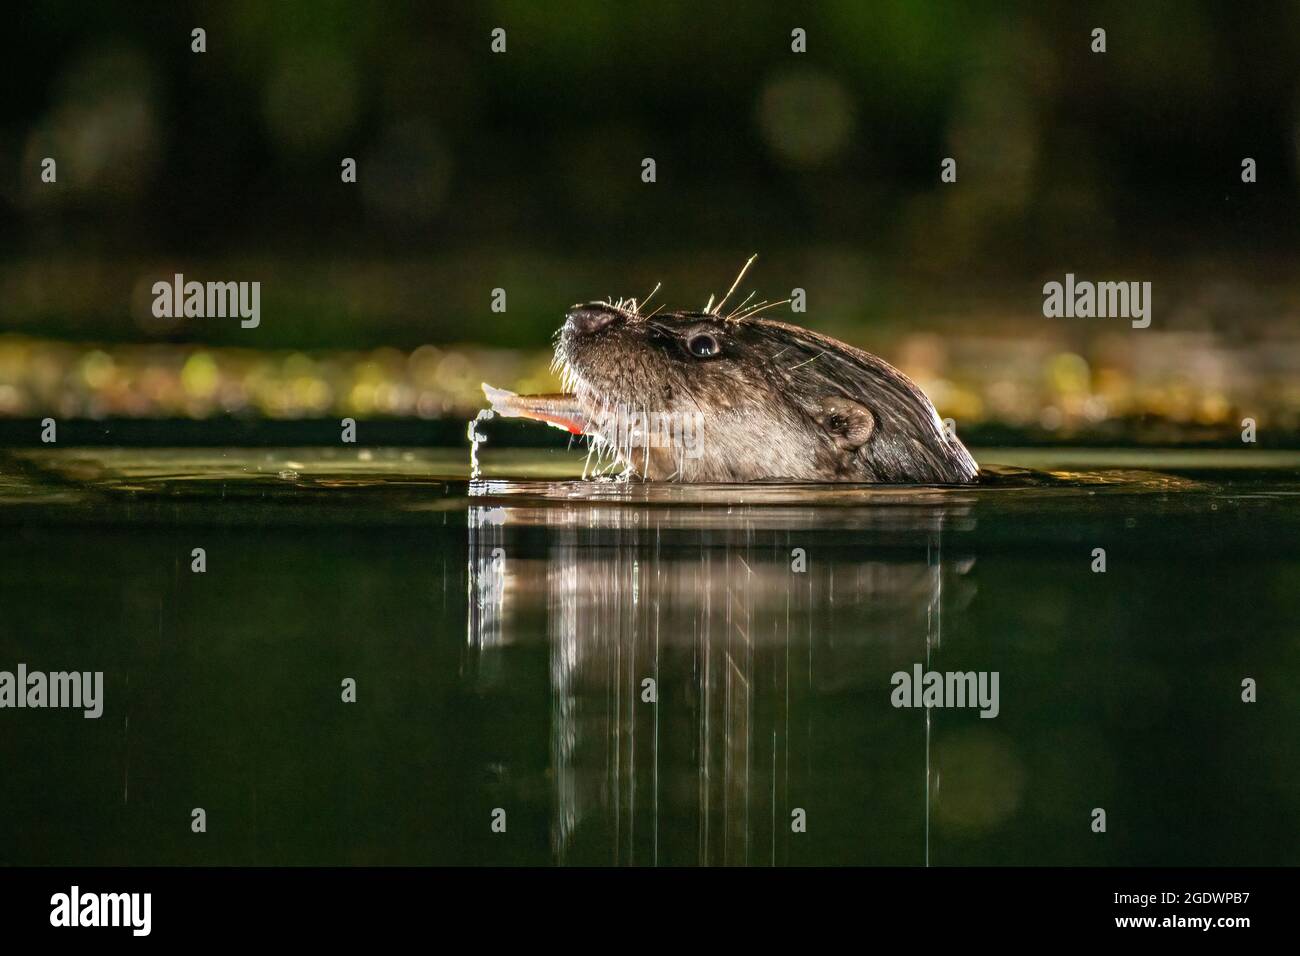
<point>802,364</point>
<point>763,307</point>
<point>658,286</point>
<point>737,315</point>
<point>742,305</point>
<point>743,269</point>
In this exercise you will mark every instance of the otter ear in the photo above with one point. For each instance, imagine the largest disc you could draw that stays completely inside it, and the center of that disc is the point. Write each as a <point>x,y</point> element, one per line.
<point>848,423</point>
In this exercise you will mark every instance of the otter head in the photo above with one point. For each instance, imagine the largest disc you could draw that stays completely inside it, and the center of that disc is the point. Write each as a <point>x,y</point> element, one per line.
<point>695,396</point>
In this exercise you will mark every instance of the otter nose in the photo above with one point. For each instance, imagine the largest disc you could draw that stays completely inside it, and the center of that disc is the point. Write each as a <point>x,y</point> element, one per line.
<point>588,319</point>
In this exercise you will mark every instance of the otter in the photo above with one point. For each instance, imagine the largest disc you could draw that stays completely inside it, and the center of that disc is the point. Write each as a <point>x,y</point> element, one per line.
<point>702,397</point>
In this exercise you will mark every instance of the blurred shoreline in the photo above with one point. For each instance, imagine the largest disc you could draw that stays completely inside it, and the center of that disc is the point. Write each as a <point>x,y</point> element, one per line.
<point>1190,386</point>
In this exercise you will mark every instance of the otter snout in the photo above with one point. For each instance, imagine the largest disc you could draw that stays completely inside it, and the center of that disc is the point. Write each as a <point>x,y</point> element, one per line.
<point>590,319</point>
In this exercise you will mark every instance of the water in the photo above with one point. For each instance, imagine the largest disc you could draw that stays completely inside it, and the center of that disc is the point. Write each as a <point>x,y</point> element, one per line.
<point>501,631</point>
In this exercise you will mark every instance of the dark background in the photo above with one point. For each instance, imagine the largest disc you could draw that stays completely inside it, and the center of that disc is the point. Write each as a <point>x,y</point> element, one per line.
<point>522,171</point>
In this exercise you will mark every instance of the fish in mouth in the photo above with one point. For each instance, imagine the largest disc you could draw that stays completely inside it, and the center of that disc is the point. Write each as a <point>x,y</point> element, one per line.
<point>707,397</point>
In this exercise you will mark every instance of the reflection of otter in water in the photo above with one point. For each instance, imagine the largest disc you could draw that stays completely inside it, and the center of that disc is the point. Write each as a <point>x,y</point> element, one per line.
<point>701,688</point>
<point>739,398</point>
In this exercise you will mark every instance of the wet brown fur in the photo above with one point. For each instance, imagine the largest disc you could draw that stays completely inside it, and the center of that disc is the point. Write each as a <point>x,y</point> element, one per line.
<point>777,402</point>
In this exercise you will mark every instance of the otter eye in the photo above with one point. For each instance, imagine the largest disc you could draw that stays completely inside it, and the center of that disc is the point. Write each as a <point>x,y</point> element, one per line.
<point>703,345</point>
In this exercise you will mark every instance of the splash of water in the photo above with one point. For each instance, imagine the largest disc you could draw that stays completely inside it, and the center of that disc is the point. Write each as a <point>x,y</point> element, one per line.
<point>475,439</point>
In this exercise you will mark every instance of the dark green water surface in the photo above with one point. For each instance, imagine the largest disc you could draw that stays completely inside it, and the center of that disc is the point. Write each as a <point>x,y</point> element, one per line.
<point>501,633</point>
